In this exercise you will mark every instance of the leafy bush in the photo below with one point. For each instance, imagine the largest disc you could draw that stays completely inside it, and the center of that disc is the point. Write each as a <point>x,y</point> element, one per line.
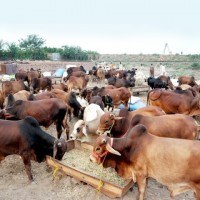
<point>195,65</point>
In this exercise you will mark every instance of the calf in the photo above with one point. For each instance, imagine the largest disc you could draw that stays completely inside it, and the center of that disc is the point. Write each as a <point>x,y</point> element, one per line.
<point>140,155</point>
<point>90,122</point>
<point>26,138</point>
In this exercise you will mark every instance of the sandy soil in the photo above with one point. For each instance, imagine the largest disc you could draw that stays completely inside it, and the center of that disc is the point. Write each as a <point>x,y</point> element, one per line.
<point>14,184</point>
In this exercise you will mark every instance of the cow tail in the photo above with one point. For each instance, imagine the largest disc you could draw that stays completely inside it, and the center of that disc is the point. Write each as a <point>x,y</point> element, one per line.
<point>129,104</point>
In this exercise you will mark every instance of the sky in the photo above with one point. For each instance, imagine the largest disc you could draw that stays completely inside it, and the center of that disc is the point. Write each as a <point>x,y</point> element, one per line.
<point>106,26</point>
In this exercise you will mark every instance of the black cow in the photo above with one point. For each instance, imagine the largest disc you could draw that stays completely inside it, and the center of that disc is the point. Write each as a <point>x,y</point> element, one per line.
<point>73,103</point>
<point>107,100</point>
<point>160,82</point>
<point>26,138</point>
<point>122,82</point>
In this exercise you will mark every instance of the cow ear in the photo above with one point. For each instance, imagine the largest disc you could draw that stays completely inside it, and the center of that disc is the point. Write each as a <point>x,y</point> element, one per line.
<point>85,130</point>
<point>112,116</point>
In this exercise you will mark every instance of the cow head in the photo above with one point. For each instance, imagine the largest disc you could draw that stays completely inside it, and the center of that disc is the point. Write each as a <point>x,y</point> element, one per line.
<point>59,148</point>
<point>106,122</point>
<point>80,130</point>
<point>102,146</point>
<point>82,69</point>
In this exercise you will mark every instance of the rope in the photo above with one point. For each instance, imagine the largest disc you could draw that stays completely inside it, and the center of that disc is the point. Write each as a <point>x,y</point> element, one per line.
<point>100,184</point>
<point>56,169</point>
<point>108,130</point>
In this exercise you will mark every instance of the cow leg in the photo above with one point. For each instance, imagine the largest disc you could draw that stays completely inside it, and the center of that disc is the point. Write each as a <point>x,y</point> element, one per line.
<point>66,127</point>
<point>59,129</point>
<point>141,182</point>
<point>67,131</point>
<point>27,164</point>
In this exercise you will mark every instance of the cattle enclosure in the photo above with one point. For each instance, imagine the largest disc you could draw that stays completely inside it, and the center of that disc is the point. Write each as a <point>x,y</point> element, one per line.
<point>14,184</point>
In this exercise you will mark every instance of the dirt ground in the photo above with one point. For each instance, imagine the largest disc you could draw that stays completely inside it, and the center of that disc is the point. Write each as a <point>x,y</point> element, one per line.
<point>14,184</point>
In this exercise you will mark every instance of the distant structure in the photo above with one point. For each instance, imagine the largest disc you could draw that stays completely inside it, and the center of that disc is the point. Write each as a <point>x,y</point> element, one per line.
<point>54,56</point>
<point>166,48</point>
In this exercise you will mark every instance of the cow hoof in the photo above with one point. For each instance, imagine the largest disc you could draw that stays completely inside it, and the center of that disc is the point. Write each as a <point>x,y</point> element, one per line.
<point>33,182</point>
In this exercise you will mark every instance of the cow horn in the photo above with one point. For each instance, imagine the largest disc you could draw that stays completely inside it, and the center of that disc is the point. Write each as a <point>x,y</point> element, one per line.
<point>111,150</point>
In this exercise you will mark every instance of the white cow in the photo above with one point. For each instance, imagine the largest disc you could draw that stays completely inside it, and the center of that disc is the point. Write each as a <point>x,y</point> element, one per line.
<point>89,125</point>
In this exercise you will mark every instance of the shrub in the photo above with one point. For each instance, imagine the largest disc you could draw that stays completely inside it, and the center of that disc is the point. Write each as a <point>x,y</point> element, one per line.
<point>195,65</point>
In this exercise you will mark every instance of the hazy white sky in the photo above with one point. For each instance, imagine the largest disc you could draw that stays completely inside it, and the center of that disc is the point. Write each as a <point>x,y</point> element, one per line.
<point>106,26</point>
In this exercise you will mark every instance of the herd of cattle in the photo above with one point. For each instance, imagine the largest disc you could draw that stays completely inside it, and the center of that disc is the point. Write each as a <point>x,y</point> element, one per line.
<point>160,140</point>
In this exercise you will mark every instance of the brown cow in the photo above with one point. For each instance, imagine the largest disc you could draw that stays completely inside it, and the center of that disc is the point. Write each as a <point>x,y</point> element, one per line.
<point>190,80</point>
<point>171,125</point>
<point>40,96</point>
<point>119,95</point>
<point>101,75</point>
<point>43,83</point>
<point>45,111</point>
<point>60,86</point>
<point>179,101</point>
<point>116,124</point>
<point>33,74</point>
<point>12,87</point>
<point>76,74</point>
<point>140,155</point>
<point>74,69</point>
<point>77,83</point>
<point>21,75</point>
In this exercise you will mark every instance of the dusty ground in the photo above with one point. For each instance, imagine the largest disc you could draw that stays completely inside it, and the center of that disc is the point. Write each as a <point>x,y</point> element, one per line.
<point>14,184</point>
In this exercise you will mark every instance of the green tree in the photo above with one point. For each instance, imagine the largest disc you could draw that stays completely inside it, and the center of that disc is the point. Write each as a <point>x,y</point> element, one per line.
<point>13,51</point>
<point>2,55</point>
<point>31,42</point>
<point>32,46</point>
<point>1,45</point>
